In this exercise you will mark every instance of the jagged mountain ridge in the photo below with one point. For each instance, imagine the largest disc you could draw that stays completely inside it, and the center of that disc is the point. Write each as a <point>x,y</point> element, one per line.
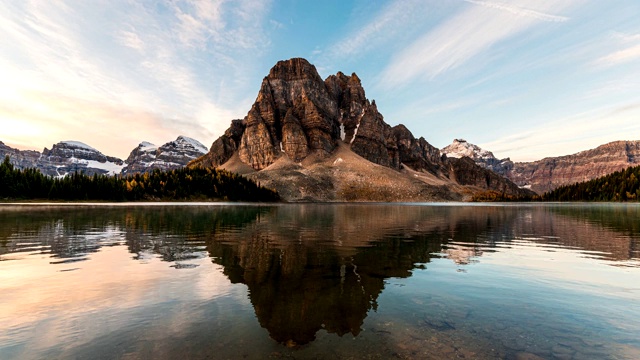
<point>308,138</point>
<point>549,173</point>
<point>67,157</point>
<point>147,157</point>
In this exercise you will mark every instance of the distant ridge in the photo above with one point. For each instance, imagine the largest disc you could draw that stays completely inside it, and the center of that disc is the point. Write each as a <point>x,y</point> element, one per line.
<point>70,156</point>
<point>552,172</point>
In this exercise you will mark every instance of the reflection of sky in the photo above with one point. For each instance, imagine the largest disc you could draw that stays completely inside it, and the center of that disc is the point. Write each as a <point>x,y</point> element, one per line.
<point>107,293</point>
<point>568,282</point>
<point>560,267</point>
<point>541,281</point>
<point>549,291</point>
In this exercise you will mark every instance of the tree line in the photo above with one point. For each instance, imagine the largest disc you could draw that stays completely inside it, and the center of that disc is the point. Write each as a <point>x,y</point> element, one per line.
<point>183,184</point>
<point>621,185</point>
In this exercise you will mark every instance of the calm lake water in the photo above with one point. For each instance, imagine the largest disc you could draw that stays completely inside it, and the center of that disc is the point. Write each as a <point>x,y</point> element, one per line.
<point>223,281</point>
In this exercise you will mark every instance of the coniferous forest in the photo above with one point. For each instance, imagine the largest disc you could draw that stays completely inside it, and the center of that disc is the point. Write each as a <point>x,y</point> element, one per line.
<point>622,185</point>
<point>192,184</point>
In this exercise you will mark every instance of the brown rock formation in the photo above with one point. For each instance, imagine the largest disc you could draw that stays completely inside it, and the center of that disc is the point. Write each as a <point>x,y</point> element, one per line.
<point>466,172</point>
<point>306,137</point>
<point>549,173</point>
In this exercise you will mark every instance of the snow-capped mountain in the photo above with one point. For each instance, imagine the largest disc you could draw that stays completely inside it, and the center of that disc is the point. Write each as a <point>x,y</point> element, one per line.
<point>484,158</point>
<point>67,157</point>
<point>147,157</point>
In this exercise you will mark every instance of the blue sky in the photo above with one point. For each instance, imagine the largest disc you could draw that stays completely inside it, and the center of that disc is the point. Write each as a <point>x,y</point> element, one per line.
<point>523,78</point>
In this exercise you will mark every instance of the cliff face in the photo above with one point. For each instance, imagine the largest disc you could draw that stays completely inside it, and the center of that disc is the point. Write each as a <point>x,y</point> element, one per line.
<point>466,172</point>
<point>301,120</point>
<point>549,173</point>
<point>298,114</point>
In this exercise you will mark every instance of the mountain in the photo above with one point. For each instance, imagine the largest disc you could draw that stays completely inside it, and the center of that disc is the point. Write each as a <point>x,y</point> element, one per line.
<point>323,140</point>
<point>21,159</point>
<point>549,173</point>
<point>67,157</point>
<point>147,157</point>
<point>460,148</point>
<point>621,185</point>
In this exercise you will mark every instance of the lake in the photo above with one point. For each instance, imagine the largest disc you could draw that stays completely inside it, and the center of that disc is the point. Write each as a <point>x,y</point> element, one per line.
<point>320,281</point>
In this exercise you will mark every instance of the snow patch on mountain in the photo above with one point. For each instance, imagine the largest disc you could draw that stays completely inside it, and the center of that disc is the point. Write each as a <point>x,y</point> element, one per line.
<point>78,144</point>
<point>111,168</point>
<point>147,146</point>
<point>194,143</point>
<point>460,148</point>
<point>172,155</point>
<point>484,158</point>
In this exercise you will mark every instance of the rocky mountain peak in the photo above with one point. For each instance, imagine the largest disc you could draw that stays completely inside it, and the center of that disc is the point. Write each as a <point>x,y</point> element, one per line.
<point>175,154</point>
<point>70,156</point>
<point>297,116</point>
<point>460,148</point>
<point>293,69</point>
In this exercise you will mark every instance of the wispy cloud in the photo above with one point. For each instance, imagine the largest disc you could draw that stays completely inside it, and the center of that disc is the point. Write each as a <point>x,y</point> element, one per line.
<point>625,55</point>
<point>372,31</point>
<point>473,31</point>
<point>571,134</point>
<point>516,10</point>
<point>171,64</point>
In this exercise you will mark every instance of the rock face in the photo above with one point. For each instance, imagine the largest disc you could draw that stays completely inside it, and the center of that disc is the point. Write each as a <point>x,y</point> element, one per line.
<point>304,120</point>
<point>67,157</point>
<point>147,157</point>
<point>21,159</point>
<point>549,173</point>
<point>298,114</point>
<point>465,172</point>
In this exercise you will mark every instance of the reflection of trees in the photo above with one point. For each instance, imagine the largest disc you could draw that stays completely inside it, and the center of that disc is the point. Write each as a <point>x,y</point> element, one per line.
<point>70,233</point>
<point>612,231</point>
<point>312,267</point>
<point>65,233</point>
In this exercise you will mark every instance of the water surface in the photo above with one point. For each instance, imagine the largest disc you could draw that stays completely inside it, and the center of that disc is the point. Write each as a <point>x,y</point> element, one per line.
<point>131,281</point>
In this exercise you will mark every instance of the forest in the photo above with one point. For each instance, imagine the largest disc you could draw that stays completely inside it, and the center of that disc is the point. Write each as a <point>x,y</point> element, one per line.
<point>622,185</point>
<point>186,184</point>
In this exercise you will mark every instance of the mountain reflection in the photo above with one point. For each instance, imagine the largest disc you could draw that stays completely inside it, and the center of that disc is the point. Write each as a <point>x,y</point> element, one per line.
<point>322,267</point>
<point>312,267</point>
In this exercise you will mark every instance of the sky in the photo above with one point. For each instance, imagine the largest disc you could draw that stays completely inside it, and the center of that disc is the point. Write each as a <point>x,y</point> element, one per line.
<point>525,79</point>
